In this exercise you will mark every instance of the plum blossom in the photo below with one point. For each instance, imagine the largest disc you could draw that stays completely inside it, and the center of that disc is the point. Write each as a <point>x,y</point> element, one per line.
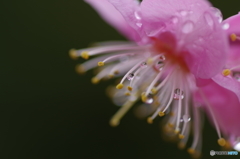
<point>223,91</point>
<point>177,49</point>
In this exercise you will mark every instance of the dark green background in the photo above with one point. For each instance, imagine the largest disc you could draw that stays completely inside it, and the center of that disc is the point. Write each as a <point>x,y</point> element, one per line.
<point>47,111</point>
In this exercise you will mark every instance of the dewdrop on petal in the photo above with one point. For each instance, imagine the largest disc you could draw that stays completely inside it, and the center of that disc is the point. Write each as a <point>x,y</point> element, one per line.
<point>173,46</point>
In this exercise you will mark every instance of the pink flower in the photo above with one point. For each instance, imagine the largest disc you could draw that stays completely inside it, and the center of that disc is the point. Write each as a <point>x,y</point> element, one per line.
<point>176,43</point>
<point>223,103</point>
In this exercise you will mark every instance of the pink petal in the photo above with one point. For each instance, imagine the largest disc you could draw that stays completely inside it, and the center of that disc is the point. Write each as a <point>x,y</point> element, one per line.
<point>129,10</point>
<point>197,30</point>
<point>234,28</point>
<point>225,107</point>
<point>114,18</point>
<point>229,83</point>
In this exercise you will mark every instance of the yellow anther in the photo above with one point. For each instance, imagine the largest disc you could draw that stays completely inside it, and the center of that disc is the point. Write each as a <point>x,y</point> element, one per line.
<point>156,103</point>
<point>116,72</point>
<point>226,72</point>
<point>170,125</point>
<point>221,142</point>
<point>154,90</point>
<point>191,151</point>
<point>129,88</point>
<point>149,61</point>
<point>127,94</point>
<point>110,75</point>
<point>181,145</point>
<point>80,69</point>
<point>114,123</point>
<point>119,86</point>
<point>181,136</point>
<point>144,97</point>
<point>100,63</point>
<point>233,37</point>
<point>73,54</point>
<point>176,131</point>
<point>85,55</point>
<point>161,113</point>
<point>149,120</point>
<point>95,80</point>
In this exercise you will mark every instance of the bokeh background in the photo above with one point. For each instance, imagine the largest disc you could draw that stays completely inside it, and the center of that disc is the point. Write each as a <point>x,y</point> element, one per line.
<point>47,110</point>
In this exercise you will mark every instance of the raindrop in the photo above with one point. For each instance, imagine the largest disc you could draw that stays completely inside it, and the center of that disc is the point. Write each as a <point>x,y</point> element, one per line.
<point>187,27</point>
<point>162,58</point>
<point>183,12</point>
<point>225,26</point>
<point>130,76</point>
<point>208,19</point>
<point>186,118</point>
<point>143,65</point>
<point>137,16</point>
<point>139,25</point>
<point>217,13</point>
<point>236,144</point>
<point>149,99</point>
<point>178,94</point>
<point>236,75</point>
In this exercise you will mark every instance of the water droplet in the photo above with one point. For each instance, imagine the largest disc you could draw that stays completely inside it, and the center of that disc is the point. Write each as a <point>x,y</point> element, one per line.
<point>139,25</point>
<point>186,118</point>
<point>208,19</point>
<point>130,76</point>
<point>236,144</point>
<point>217,13</point>
<point>174,20</point>
<point>162,58</point>
<point>143,65</point>
<point>187,27</point>
<point>149,99</point>
<point>137,15</point>
<point>178,94</point>
<point>183,12</point>
<point>236,75</point>
<point>225,26</point>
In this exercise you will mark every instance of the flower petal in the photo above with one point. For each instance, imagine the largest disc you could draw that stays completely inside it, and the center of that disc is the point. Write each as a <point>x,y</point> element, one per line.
<point>233,24</point>
<point>129,9</point>
<point>196,27</point>
<point>225,106</point>
<point>229,83</point>
<point>114,18</point>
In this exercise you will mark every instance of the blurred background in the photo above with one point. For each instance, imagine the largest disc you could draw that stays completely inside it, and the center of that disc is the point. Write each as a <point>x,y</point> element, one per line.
<point>48,111</point>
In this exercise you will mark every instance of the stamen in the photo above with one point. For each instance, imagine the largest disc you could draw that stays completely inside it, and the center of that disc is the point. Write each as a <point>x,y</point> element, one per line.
<point>85,55</point>
<point>226,72</point>
<point>95,80</point>
<point>154,82</point>
<point>100,63</point>
<point>80,69</point>
<point>115,120</point>
<point>212,114</point>
<point>109,49</point>
<point>196,144</point>
<point>131,70</point>
<point>179,113</point>
<point>73,54</point>
<point>234,37</point>
<point>129,88</point>
<point>222,142</point>
<point>120,86</point>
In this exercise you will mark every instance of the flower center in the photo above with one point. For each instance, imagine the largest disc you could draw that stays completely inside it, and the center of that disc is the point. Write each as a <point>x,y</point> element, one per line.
<point>234,37</point>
